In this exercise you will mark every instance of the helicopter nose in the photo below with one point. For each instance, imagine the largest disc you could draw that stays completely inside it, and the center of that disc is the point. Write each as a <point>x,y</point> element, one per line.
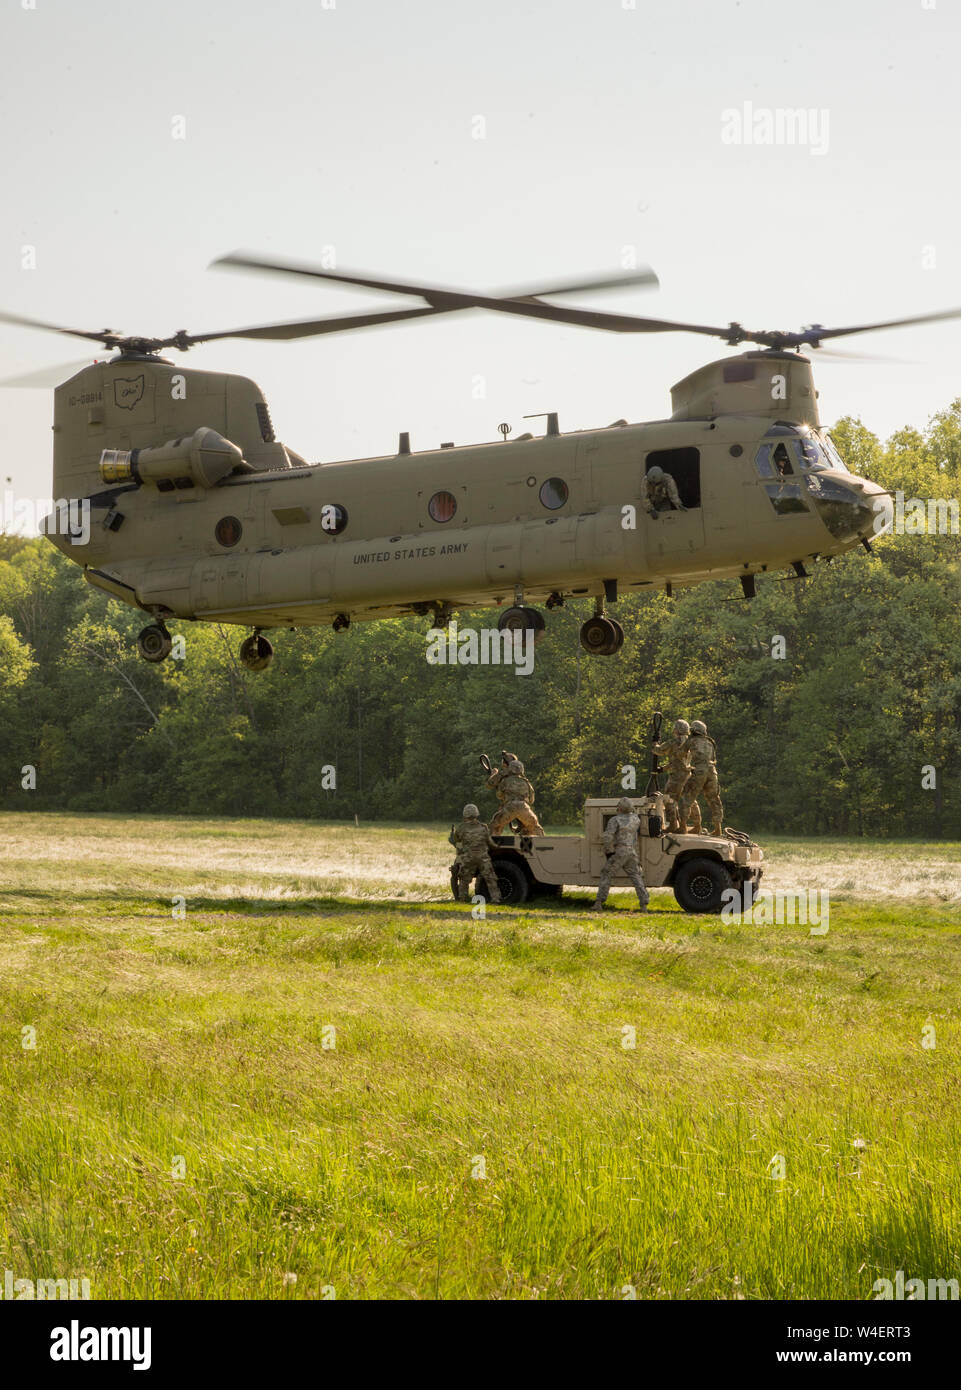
<point>850,509</point>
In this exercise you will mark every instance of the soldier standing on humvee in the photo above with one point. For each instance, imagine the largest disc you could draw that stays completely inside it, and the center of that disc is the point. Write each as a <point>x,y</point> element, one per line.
<point>516,795</point>
<point>662,493</point>
<point>678,771</point>
<point>471,839</point>
<point>703,778</point>
<point>620,846</point>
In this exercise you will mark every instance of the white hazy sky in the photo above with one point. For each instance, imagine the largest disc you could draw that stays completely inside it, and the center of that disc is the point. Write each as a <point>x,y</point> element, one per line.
<point>352,126</point>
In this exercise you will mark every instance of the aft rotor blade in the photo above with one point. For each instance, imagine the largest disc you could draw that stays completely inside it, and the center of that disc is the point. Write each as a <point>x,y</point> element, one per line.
<point>107,336</point>
<point>310,328</point>
<point>45,377</point>
<point>643,276</point>
<point>525,303</point>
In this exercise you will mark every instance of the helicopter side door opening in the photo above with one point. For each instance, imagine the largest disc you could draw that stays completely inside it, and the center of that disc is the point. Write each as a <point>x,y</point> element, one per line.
<point>684,466</point>
<point>673,535</point>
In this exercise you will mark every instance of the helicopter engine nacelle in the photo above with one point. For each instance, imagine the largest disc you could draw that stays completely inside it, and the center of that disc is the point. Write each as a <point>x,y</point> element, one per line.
<point>200,460</point>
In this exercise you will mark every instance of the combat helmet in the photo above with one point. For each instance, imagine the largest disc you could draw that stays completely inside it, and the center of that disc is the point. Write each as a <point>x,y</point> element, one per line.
<point>698,727</point>
<point>681,726</point>
<point>655,474</point>
<point>516,766</point>
<point>624,805</point>
<point>471,812</point>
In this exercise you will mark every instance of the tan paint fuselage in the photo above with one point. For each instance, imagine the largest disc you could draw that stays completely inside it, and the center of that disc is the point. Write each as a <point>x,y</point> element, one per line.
<point>287,569</point>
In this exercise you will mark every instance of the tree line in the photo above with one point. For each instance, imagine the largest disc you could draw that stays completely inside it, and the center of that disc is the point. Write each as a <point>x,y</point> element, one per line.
<point>849,724</point>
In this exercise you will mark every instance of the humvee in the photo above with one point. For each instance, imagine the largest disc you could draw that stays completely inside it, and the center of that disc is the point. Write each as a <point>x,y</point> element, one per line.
<point>699,868</point>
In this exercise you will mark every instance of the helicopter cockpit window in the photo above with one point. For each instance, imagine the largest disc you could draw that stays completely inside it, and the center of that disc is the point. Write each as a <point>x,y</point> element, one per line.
<point>442,506</point>
<point>812,456</point>
<point>781,459</point>
<point>763,462</point>
<point>786,498</point>
<point>787,457</point>
<point>835,459</point>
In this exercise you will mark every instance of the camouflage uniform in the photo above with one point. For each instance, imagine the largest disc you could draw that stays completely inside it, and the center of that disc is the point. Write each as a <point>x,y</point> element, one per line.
<point>703,778</point>
<point>620,846</point>
<point>678,771</point>
<point>662,493</point>
<point>516,796</point>
<point>471,839</point>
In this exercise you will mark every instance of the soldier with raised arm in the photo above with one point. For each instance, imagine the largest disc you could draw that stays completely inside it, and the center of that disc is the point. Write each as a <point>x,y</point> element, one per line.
<point>678,771</point>
<point>702,751</point>
<point>620,847</point>
<point>516,795</point>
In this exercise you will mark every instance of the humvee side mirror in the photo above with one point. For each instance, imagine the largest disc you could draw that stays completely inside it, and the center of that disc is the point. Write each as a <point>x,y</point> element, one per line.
<point>654,827</point>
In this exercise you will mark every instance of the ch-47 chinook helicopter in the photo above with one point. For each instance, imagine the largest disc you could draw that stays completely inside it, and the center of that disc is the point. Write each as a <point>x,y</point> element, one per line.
<point>199,513</point>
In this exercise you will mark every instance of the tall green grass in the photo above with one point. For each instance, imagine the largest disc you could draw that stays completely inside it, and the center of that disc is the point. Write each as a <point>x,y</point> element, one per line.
<point>199,1046</point>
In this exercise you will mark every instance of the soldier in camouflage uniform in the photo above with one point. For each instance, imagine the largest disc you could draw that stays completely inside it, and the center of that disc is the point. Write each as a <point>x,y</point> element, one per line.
<point>516,796</point>
<point>620,846</point>
<point>703,754</point>
<point>662,493</point>
<point>471,839</point>
<point>678,771</point>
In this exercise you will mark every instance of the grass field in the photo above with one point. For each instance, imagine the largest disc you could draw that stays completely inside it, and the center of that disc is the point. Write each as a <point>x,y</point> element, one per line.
<point>182,1127</point>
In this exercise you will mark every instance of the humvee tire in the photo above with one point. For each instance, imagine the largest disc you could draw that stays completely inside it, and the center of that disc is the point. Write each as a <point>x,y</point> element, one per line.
<point>512,881</point>
<point>699,885</point>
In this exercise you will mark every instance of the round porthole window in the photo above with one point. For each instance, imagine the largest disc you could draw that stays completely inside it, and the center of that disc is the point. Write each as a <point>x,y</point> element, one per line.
<point>442,506</point>
<point>333,518</point>
<point>554,493</point>
<point>228,530</point>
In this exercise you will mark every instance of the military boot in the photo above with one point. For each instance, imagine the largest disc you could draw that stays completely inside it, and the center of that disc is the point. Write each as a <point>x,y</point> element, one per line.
<point>718,829</point>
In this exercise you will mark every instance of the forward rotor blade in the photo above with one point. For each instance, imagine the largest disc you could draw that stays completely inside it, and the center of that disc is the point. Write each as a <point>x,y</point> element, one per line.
<point>239,260</point>
<point>525,304</point>
<point>890,323</point>
<point>834,355</point>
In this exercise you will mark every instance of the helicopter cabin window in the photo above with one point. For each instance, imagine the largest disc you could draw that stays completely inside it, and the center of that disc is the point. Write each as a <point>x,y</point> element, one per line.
<point>442,506</point>
<point>684,466</point>
<point>333,518</point>
<point>553,493</point>
<point>228,531</point>
<point>786,498</point>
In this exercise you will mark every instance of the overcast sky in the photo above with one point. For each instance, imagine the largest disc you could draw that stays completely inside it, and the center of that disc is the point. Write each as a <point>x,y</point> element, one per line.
<point>352,125</point>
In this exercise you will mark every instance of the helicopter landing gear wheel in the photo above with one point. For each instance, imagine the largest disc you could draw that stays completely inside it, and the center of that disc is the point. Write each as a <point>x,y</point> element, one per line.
<point>154,642</point>
<point>520,619</point>
<point>256,653</point>
<point>601,636</point>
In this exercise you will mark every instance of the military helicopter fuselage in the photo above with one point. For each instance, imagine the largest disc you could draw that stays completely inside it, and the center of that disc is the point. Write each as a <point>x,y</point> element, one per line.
<point>197,512</point>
